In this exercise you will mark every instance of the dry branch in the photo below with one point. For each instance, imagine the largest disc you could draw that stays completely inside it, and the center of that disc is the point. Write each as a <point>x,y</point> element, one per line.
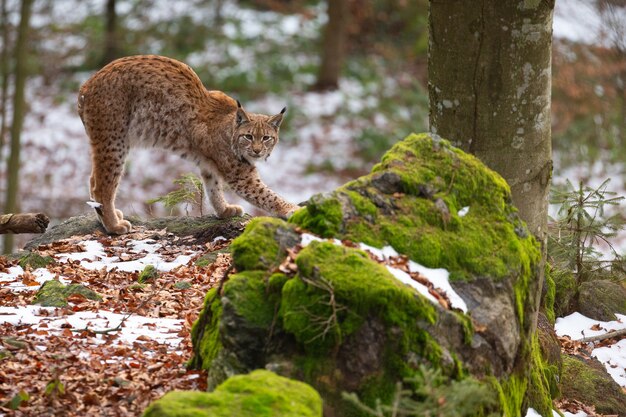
<point>609,335</point>
<point>23,223</point>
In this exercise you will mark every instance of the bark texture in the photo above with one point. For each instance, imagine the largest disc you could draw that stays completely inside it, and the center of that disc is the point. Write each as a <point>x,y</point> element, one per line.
<point>489,84</point>
<point>489,88</point>
<point>334,45</point>
<point>21,56</point>
<point>23,223</point>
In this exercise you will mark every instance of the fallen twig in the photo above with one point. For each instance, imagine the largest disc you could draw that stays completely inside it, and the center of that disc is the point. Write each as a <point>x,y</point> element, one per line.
<point>609,335</point>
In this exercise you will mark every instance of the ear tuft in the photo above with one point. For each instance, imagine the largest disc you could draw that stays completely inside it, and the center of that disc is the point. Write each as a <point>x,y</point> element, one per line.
<point>242,117</point>
<point>283,110</point>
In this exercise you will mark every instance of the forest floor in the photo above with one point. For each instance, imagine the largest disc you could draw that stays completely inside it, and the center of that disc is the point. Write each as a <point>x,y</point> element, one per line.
<point>114,356</point>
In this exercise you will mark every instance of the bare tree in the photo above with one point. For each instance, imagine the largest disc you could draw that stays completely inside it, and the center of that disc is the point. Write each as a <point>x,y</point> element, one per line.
<point>333,46</point>
<point>111,51</point>
<point>4,70</point>
<point>21,56</point>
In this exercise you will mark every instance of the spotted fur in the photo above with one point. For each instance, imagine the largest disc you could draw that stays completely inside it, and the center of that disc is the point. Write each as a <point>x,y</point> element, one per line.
<point>154,101</point>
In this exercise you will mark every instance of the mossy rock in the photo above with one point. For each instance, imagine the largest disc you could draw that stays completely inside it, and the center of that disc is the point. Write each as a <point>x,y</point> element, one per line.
<point>274,236</point>
<point>34,260</point>
<point>149,273</point>
<point>601,299</point>
<point>258,394</point>
<point>54,294</point>
<point>587,381</point>
<point>565,293</point>
<point>411,201</point>
<point>342,322</point>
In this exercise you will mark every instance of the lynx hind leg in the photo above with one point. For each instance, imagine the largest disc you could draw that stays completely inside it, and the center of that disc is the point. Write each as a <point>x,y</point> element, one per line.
<point>108,167</point>
<point>213,189</point>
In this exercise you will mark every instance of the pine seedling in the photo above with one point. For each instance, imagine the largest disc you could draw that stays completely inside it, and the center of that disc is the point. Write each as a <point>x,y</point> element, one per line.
<point>428,394</point>
<point>190,193</point>
<point>581,226</point>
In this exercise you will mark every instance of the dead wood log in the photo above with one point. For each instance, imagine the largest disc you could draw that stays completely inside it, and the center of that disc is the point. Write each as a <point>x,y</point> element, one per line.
<point>609,335</point>
<point>23,223</point>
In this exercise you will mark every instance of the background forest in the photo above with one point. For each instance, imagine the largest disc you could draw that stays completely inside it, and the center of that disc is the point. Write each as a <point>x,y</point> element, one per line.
<point>353,75</point>
<point>354,84</point>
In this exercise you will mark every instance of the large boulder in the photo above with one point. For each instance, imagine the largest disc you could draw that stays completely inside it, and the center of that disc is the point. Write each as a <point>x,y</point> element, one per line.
<point>601,299</point>
<point>587,381</point>
<point>258,394</point>
<point>332,316</point>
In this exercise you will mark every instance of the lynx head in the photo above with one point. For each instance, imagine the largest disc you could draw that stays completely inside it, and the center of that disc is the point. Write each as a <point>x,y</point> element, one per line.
<point>255,134</point>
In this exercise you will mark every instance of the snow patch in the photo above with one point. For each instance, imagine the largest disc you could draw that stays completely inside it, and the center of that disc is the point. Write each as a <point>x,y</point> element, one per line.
<point>95,258</point>
<point>613,357</point>
<point>162,330</point>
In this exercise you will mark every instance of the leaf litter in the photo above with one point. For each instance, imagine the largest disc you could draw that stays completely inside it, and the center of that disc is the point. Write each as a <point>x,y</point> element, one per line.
<point>110,357</point>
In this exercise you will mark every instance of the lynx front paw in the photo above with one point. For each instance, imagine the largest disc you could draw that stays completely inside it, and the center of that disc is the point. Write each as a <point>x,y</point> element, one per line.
<point>120,228</point>
<point>231,210</point>
<point>119,214</point>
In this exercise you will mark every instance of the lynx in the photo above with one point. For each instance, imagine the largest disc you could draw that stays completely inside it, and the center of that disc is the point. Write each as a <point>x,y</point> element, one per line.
<point>154,101</point>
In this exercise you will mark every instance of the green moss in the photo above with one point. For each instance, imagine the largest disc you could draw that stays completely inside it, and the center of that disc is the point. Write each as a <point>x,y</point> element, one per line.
<point>35,260</point>
<point>321,215</point>
<point>208,258</point>
<point>258,394</point>
<point>54,294</point>
<point>205,333</point>
<point>346,280</point>
<point>419,216</point>
<point>182,285</point>
<point>565,292</point>
<point>148,274</point>
<point>592,386</point>
<point>363,205</point>
<point>550,295</point>
<point>247,291</point>
<point>203,262</point>
<point>543,381</point>
<point>262,245</point>
<point>511,393</point>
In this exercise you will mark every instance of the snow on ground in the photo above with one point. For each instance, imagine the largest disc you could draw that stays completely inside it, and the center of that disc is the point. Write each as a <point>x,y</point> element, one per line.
<point>533,413</point>
<point>94,257</point>
<point>613,357</point>
<point>162,330</point>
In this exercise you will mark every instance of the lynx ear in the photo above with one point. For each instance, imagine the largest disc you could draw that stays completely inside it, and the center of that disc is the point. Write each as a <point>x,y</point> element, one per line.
<point>242,117</point>
<point>276,120</point>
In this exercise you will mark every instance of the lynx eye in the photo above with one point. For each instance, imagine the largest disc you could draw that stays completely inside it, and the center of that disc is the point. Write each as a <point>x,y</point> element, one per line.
<point>267,138</point>
<point>248,137</point>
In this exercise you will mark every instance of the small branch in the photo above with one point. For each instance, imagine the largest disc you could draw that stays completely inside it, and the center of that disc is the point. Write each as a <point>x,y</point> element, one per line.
<point>23,223</point>
<point>610,335</point>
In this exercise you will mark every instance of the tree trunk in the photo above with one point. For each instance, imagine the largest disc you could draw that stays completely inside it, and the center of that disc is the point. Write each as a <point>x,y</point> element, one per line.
<point>21,56</point>
<point>4,71</point>
<point>110,36</point>
<point>489,84</point>
<point>23,223</point>
<point>334,45</point>
<point>489,88</point>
